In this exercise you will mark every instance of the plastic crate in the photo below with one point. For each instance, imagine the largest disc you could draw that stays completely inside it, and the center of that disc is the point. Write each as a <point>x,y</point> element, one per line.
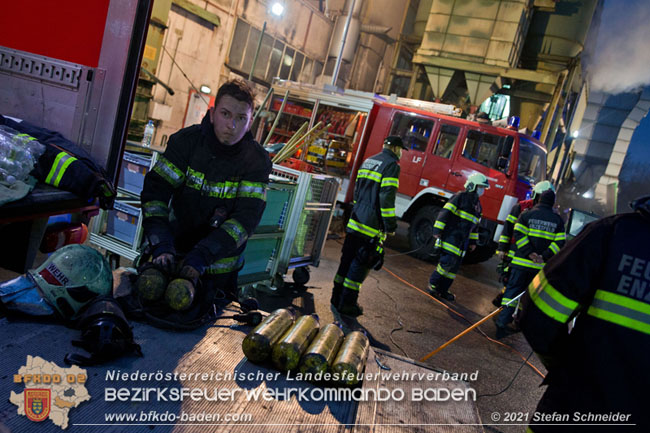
<point>134,168</point>
<point>122,221</point>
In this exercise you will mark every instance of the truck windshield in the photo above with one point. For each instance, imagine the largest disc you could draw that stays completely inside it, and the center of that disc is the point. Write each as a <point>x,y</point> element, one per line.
<point>532,161</point>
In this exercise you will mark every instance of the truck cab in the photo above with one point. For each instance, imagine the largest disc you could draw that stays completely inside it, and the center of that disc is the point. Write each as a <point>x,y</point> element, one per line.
<point>443,152</point>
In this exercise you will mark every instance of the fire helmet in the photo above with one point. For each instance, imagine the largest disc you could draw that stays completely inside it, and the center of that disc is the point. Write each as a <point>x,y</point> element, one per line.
<point>72,277</point>
<point>395,140</point>
<point>541,187</point>
<point>476,179</point>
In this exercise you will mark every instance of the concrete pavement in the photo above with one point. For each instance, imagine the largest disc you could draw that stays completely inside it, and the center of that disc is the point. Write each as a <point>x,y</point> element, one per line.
<point>404,320</point>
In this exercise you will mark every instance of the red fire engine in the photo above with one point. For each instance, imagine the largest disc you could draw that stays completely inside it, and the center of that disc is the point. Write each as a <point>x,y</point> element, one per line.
<point>444,151</point>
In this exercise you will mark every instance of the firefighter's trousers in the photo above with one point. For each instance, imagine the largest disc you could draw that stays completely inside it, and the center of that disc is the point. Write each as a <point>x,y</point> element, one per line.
<point>353,270</point>
<point>518,281</point>
<point>445,273</point>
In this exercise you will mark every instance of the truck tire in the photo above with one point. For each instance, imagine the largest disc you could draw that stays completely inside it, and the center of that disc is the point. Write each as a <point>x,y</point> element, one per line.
<point>480,254</point>
<point>421,232</point>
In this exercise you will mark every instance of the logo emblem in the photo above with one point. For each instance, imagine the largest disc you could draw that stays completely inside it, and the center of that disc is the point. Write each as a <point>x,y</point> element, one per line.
<point>37,404</point>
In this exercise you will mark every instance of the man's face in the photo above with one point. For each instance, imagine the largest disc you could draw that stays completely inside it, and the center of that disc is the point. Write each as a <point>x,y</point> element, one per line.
<point>480,190</point>
<point>230,119</point>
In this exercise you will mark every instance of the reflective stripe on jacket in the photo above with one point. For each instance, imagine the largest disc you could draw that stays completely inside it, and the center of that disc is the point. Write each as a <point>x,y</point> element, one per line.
<point>601,278</point>
<point>374,196</point>
<point>506,238</point>
<point>217,195</point>
<point>538,230</point>
<point>457,223</point>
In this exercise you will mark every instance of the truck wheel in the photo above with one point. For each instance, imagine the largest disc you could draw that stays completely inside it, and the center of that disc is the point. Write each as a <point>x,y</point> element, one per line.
<point>421,232</point>
<point>480,254</point>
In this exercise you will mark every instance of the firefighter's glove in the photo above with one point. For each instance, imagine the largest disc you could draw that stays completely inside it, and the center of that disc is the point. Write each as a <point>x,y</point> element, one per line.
<point>189,273</point>
<point>166,262</point>
<point>379,257</point>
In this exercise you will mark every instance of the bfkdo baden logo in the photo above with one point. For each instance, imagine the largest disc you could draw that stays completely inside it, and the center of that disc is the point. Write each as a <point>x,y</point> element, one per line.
<point>37,404</point>
<point>50,391</point>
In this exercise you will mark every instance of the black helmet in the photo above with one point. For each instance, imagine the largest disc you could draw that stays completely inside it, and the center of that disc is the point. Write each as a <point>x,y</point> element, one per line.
<point>105,333</point>
<point>394,140</point>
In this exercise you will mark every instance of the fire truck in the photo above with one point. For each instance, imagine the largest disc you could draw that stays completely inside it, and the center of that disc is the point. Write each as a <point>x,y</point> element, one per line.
<point>444,150</point>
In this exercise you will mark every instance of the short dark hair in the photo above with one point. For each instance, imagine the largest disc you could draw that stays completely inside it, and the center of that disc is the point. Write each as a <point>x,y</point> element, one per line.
<point>238,89</point>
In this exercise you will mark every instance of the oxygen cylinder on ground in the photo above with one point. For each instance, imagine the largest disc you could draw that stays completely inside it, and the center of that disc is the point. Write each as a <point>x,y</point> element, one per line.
<point>287,351</point>
<point>321,352</point>
<point>258,343</point>
<point>351,358</point>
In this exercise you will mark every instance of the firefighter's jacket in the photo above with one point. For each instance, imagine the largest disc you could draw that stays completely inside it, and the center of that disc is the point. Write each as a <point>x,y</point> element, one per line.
<point>217,193</point>
<point>538,230</point>
<point>602,277</point>
<point>66,165</point>
<point>374,196</point>
<point>457,223</point>
<point>506,239</point>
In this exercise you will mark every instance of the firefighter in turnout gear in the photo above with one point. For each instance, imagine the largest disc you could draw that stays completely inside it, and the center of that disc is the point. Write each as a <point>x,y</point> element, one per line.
<point>602,277</point>
<point>205,196</point>
<point>372,218</point>
<point>539,234</point>
<point>506,249</point>
<point>455,232</point>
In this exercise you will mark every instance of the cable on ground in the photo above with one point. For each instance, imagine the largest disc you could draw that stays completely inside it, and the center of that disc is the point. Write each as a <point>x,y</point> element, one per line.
<point>467,320</point>
<point>511,381</point>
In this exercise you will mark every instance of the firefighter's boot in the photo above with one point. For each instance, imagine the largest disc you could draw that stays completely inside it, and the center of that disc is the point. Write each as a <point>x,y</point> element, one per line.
<point>444,294</point>
<point>349,305</point>
<point>335,300</point>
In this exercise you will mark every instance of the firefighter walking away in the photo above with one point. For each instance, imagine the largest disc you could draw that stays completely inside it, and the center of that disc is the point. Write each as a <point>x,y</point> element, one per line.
<point>372,218</point>
<point>539,234</point>
<point>506,249</point>
<point>455,231</point>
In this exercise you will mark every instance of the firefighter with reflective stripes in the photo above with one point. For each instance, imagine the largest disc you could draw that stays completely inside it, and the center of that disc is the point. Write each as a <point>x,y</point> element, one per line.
<point>506,248</point>
<point>372,218</point>
<point>206,193</point>
<point>539,234</point>
<point>601,278</point>
<point>455,231</point>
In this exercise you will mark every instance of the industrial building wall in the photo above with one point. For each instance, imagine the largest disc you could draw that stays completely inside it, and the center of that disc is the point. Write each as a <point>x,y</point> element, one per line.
<point>375,53</point>
<point>196,50</point>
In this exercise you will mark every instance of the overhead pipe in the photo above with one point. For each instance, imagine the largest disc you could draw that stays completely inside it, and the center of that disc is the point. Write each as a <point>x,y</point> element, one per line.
<point>375,29</point>
<point>337,68</point>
